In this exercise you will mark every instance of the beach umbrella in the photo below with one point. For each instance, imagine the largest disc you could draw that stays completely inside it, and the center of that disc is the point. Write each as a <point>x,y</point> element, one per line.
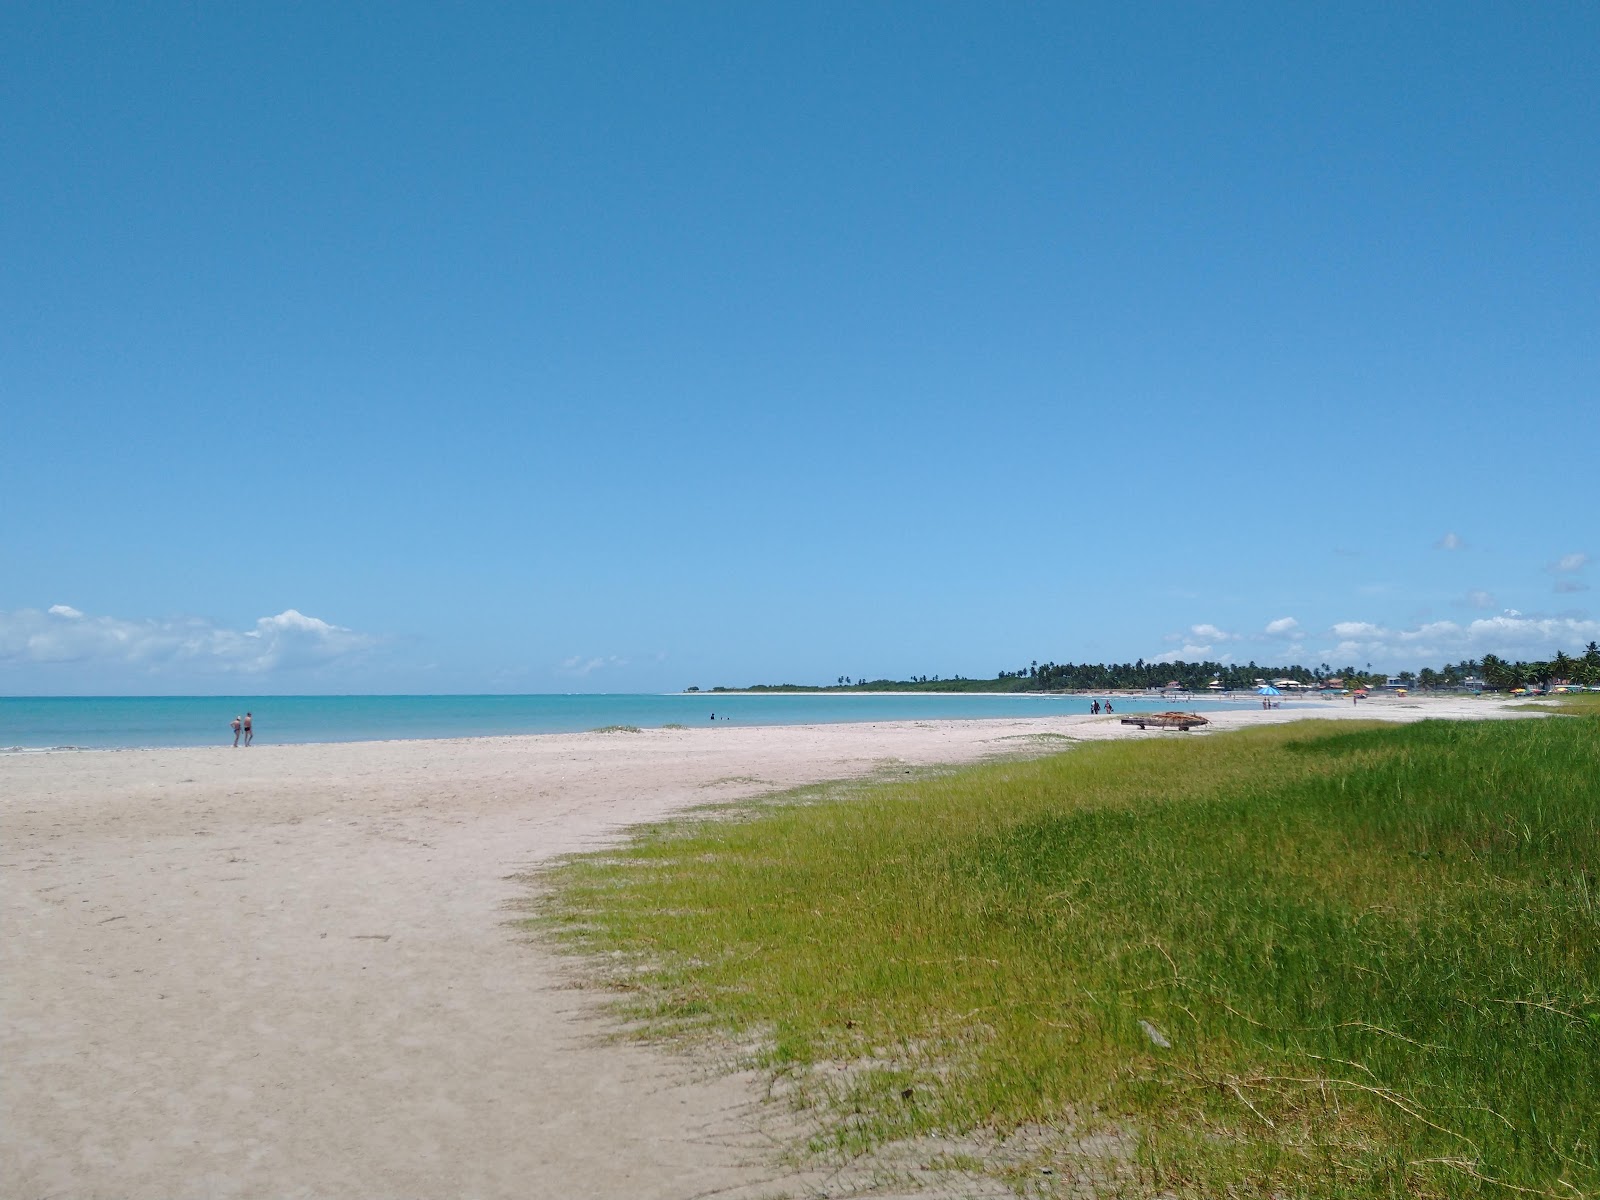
<point>1267,689</point>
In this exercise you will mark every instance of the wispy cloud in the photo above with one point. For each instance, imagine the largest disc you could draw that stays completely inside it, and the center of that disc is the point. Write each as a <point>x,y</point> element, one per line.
<point>1482,600</point>
<point>1571,585</point>
<point>1188,652</point>
<point>1568,563</point>
<point>1450,541</point>
<point>1282,627</point>
<point>1211,633</point>
<point>583,666</point>
<point>63,635</point>
<point>1356,629</point>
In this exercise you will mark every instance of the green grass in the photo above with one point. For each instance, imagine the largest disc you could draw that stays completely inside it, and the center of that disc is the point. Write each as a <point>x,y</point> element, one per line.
<point>1375,953</point>
<point>1572,704</point>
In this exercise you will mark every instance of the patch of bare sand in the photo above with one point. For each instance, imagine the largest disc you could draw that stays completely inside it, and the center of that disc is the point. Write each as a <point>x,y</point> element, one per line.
<point>287,971</point>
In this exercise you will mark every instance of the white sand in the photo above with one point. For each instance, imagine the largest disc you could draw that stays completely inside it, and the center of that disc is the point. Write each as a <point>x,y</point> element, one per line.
<point>288,972</point>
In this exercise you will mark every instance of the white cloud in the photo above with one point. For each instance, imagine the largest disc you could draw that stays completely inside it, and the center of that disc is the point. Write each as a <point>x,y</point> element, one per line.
<point>291,620</point>
<point>1282,626</point>
<point>1196,645</point>
<point>1481,599</point>
<point>1509,635</point>
<point>1570,562</point>
<point>1450,541</point>
<point>1355,629</point>
<point>63,635</point>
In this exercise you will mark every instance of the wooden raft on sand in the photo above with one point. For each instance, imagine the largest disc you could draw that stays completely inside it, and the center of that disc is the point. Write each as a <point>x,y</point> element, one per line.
<point>1182,721</point>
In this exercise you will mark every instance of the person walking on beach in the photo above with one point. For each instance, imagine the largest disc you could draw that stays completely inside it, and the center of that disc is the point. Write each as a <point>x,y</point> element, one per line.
<point>1108,709</point>
<point>249,731</point>
<point>1094,708</point>
<point>236,726</point>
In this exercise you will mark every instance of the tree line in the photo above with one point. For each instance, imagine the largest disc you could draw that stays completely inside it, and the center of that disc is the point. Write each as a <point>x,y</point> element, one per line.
<point>1491,671</point>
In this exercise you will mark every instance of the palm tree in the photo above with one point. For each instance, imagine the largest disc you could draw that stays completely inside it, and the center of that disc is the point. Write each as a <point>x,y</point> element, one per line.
<point>1496,672</point>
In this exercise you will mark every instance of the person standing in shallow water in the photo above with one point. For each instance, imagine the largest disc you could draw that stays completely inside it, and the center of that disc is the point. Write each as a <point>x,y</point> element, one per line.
<point>249,730</point>
<point>236,725</point>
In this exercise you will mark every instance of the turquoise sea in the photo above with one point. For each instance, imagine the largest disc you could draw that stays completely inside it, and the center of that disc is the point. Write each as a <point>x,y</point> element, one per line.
<point>90,722</point>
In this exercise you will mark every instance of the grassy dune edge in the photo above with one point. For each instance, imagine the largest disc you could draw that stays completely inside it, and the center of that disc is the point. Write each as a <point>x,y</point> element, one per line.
<point>1315,959</point>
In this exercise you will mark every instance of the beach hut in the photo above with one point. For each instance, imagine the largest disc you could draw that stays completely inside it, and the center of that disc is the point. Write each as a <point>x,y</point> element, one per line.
<point>1215,686</point>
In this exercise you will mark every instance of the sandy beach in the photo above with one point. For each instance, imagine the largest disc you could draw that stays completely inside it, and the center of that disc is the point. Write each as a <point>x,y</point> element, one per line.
<point>288,971</point>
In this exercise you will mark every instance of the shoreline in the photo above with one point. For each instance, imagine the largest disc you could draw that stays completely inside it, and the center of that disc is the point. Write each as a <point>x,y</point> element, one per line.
<point>629,722</point>
<point>292,971</point>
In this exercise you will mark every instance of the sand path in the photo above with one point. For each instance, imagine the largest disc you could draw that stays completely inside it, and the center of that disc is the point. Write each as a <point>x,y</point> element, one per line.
<point>288,971</point>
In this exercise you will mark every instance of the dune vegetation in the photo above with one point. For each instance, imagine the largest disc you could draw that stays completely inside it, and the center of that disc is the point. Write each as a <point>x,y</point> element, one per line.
<point>1307,960</point>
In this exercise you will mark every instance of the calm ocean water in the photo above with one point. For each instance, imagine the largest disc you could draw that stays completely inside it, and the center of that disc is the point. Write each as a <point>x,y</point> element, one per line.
<point>89,722</point>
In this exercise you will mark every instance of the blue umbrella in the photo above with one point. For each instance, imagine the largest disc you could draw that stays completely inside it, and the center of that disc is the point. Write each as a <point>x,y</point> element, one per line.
<point>1268,690</point>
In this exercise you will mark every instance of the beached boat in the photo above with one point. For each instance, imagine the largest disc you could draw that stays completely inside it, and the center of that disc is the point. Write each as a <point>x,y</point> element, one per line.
<point>1183,721</point>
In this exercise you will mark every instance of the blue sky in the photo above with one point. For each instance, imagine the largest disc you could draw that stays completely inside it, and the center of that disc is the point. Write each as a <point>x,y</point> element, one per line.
<point>629,347</point>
